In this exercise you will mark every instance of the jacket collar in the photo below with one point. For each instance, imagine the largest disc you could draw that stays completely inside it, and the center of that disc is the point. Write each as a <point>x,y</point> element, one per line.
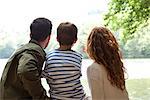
<point>36,42</point>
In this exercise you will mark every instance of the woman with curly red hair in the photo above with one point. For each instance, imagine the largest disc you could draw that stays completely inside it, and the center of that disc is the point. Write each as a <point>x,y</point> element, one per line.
<point>106,74</point>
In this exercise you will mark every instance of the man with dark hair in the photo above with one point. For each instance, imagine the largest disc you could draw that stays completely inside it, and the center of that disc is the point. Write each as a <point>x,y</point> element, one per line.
<point>21,78</point>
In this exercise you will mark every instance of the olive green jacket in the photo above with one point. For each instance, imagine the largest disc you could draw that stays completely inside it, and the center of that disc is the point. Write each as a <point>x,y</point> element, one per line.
<point>21,76</point>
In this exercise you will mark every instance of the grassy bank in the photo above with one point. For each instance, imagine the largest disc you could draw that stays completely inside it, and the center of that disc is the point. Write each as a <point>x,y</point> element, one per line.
<point>138,89</point>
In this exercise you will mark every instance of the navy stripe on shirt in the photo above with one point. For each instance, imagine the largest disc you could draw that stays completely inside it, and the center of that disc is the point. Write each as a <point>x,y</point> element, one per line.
<point>63,72</point>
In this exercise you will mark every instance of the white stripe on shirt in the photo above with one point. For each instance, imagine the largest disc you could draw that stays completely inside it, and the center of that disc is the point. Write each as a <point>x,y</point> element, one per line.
<point>63,72</point>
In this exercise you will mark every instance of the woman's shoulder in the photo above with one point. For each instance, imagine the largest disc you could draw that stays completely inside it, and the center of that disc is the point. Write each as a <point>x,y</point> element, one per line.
<point>95,66</point>
<point>95,70</point>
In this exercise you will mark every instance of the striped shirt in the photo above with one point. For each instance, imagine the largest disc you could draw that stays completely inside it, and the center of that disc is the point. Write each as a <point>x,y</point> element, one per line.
<point>63,71</point>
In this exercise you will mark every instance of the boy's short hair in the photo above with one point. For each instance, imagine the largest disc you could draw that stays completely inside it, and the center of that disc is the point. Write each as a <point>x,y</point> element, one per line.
<point>40,28</point>
<point>66,33</point>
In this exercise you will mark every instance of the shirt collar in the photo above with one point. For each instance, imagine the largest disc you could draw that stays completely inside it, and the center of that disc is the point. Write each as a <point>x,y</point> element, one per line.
<point>36,42</point>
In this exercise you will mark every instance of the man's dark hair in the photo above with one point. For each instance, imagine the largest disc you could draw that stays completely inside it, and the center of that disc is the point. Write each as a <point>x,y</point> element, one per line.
<point>40,28</point>
<point>66,33</point>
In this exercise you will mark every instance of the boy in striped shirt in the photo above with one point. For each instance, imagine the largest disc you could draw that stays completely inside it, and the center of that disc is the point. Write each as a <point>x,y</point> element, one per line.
<point>63,66</point>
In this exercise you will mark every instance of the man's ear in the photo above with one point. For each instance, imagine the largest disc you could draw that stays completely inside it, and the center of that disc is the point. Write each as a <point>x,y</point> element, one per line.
<point>48,38</point>
<point>46,41</point>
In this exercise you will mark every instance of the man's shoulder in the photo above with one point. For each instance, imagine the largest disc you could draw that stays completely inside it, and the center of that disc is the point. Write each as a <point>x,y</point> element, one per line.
<point>32,48</point>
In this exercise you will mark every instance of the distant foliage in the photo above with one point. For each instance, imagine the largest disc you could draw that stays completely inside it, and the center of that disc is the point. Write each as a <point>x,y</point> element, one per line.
<point>127,16</point>
<point>6,50</point>
<point>139,45</point>
<point>9,43</point>
<point>128,19</point>
<point>131,19</point>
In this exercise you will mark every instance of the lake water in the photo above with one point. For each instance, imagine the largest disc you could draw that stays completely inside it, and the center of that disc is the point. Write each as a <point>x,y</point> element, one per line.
<point>136,69</point>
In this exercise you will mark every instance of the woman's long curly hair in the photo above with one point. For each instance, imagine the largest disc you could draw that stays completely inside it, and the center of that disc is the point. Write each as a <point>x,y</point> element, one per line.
<point>103,48</point>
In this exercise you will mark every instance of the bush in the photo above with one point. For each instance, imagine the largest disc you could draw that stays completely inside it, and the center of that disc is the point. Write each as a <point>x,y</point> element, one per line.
<point>139,45</point>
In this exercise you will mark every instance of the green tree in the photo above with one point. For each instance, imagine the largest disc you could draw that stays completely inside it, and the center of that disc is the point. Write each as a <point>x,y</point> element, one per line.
<point>139,45</point>
<point>126,16</point>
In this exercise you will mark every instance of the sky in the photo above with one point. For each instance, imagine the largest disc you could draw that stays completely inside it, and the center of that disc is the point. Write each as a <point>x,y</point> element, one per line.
<point>16,15</point>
